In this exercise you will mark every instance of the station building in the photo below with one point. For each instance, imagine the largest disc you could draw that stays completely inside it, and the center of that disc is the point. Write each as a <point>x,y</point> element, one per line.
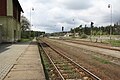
<point>10,27</point>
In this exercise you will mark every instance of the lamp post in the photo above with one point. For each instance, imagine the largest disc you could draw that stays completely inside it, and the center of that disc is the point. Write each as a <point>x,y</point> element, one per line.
<point>110,6</point>
<point>74,25</point>
<point>31,9</point>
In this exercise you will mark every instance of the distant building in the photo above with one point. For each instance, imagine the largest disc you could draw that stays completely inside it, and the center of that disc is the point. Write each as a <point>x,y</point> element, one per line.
<point>71,35</point>
<point>68,35</point>
<point>10,12</point>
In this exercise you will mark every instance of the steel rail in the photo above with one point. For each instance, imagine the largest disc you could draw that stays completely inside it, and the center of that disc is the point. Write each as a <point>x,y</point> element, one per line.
<point>85,70</point>
<point>104,47</point>
<point>53,64</point>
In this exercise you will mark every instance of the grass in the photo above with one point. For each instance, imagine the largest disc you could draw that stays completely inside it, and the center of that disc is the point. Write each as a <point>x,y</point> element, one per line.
<point>66,67</point>
<point>25,40</point>
<point>115,43</point>
<point>45,63</point>
<point>101,60</point>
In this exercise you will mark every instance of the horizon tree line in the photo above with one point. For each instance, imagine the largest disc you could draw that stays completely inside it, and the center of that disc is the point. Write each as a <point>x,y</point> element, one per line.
<point>101,30</point>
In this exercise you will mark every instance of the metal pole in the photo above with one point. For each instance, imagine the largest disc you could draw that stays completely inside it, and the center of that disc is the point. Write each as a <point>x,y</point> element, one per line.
<point>91,32</point>
<point>30,23</point>
<point>31,9</point>
<point>111,24</point>
<point>91,35</point>
<point>30,18</point>
<point>100,34</point>
<point>74,28</point>
<point>110,6</point>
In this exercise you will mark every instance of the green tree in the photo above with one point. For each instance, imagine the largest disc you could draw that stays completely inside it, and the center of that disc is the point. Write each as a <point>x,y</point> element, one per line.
<point>25,24</point>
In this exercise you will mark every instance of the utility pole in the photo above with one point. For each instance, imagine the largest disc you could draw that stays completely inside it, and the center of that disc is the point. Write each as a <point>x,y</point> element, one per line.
<point>91,31</point>
<point>74,26</point>
<point>110,6</point>
<point>31,9</point>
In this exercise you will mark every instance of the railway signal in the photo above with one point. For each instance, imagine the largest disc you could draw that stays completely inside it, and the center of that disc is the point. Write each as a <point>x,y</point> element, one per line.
<point>110,6</point>
<point>92,24</point>
<point>62,28</point>
<point>91,30</point>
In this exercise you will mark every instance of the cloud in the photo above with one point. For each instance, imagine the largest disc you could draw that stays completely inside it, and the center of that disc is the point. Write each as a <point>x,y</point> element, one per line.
<point>51,15</point>
<point>76,4</point>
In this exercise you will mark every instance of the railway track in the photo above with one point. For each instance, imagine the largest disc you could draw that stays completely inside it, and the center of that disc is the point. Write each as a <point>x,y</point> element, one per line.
<point>94,45</point>
<point>112,58</point>
<point>61,67</point>
<point>109,58</point>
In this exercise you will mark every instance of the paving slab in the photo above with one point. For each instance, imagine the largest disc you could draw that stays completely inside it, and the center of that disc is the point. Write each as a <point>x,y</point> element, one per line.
<point>9,53</point>
<point>28,65</point>
<point>24,75</point>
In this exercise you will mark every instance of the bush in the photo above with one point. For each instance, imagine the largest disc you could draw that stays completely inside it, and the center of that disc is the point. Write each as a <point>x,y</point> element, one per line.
<point>84,36</point>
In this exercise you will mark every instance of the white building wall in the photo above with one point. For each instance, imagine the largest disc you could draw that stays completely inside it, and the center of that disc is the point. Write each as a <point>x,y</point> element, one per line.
<point>9,26</point>
<point>9,7</point>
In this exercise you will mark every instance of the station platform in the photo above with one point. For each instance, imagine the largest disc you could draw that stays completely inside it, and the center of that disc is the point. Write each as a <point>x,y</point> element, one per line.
<point>28,65</point>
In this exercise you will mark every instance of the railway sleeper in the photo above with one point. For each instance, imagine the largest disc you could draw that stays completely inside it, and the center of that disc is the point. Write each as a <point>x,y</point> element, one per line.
<point>68,75</point>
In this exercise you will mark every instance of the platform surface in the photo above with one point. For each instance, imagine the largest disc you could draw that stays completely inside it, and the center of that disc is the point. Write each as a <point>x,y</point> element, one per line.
<point>28,65</point>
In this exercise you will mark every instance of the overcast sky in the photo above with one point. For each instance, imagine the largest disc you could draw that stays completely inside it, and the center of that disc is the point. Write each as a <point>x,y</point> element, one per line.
<point>51,15</point>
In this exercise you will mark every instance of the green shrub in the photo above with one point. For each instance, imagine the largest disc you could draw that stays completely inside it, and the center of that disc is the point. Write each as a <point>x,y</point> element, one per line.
<point>84,36</point>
